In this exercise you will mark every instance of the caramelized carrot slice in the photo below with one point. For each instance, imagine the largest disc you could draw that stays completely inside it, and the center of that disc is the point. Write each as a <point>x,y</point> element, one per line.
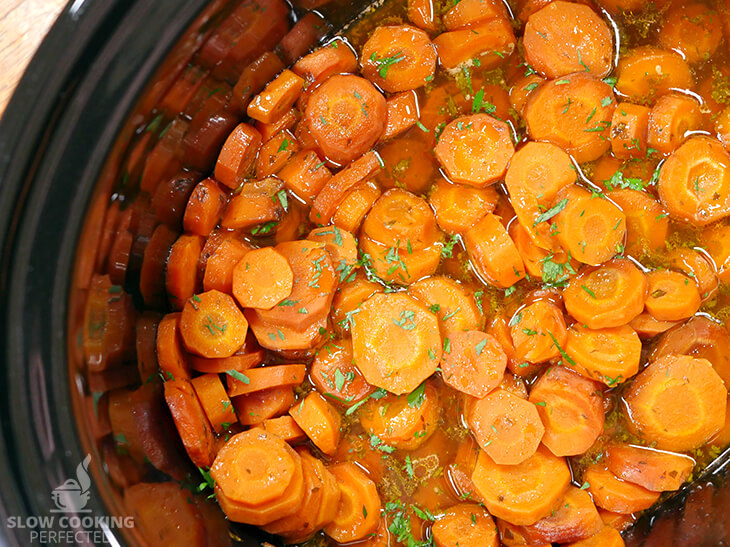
<point>358,513</point>
<point>335,58</point>
<point>257,202</point>
<point>692,30</point>
<point>613,494</point>
<point>191,422</point>
<point>696,264</point>
<point>238,155</point>
<point>275,153</point>
<point>173,361</point>
<point>648,327</point>
<point>211,325</point>
<point>263,378</point>
<point>408,165</point>
<point>181,274</point>
<point>468,13</point>
<point>629,130</point>
<point>340,244</point>
<point>670,119</point>
<point>319,420</point>
<point>647,223</point>
<point>465,524</point>
<point>348,298</point>
<point>538,332</point>
<point>278,97</point>
<point>609,355</point>
<point>262,279</point>
<point>205,207</point>
<point>646,73</point>
<point>672,296</point>
<point>355,205</point>
<point>220,265</point>
<point>215,401</point>
<point>489,42</point>
<point>263,405</point>
<point>401,113</point>
<point>305,175</point>
<point>335,376</point>
<point>278,337</point>
<point>285,122</point>
<point>239,361</point>
<point>493,253</point>
<point>397,265</point>
<point>606,537</point>
<point>655,470</point>
<point>422,14</point>
<point>458,207</point>
<point>476,363</point>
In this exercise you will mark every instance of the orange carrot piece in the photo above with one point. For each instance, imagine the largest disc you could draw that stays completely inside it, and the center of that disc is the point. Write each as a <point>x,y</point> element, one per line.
<point>538,332</point>
<point>238,361</point>
<point>609,355</point>
<point>358,513</point>
<point>215,402</point>
<point>465,524</point>
<point>170,355</point>
<point>220,265</point>
<point>284,427</point>
<point>355,205</point>
<point>489,42</point>
<point>238,155</point>
<point>692,30</point>
<point>278,97</point>
<point>696,264</point>
<point>305,175</point>
<point>255,76</point>
<point>319,420</point>
<point>205,207</point>
<point>211,325</point>
<point>407,164</point>
<point>522,89</point>
<point>648,327</point>
<point>191,422</point>
<point>452,303</point>
<point>629,130</point>
<point>286,122</point>
<point>422,14</point>
<point>256,407</point>
<point>266,377</point>
<point>334,374</point>
<point>340,244</point>
<point>672,296</point>
<point>655,470</point>
<point>350,295</point>
<point>646,73</point>
<point>278,337</point>
<point>458,207</point>
<point>670,119</point>
<point>647,223</point>
<point>336,57</point>
<point>181,274</point>
<point>617,520</point>
<point>262,279</point>
<point>401,113</point>
<point>493,253</point>
<point>275,153</point>
<point>611,493</point>
<point>475,364</point>
<point>468,13</point>
<point>607,537</point>
<point>152,273</point>
<point>257,203</point>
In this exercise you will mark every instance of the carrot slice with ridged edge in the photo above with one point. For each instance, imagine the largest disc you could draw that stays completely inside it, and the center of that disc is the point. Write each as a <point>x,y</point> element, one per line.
<point>672,296</point>
<point>493,253</point>
<point>454,304</point>
<point>696,264</point>
<point>647,223</point>
<point>609,355</point>
<point>191,422</point>
<point>215,401</point>
<point>458,207</point>
<point>334,374</point>
<point>212,325</point>
<point>262,279</point>
<point>693,30</point>
<point>614,494</point>
<point>359,511</point>
<point>538,332</point>
<point>629,130</point>
<point>648,72</point>
<point>653,469</point>
<point>465,524</point>
<point>671,118</point>
<point>171,358</point>
<point>489,42</point>
<point>476,363</point>
<point>319,420</point>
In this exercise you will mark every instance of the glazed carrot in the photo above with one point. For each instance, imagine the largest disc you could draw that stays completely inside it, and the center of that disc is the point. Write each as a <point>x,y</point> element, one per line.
<point>211,325</point>
<point>722,127</point>
<point>278,97</point>
<point>258,478</point>
<point>670,119</point>
<point>648,327</point>
<point>171,196</point>
<point>335,58</point>
<point>693,30</point>
<point>408,165</point>
<point>172,359</point>
<point>123,425</point>
<point>465,524</point>
<point>238,155</point>
<point>152,273</point>
<point>275,153</point>
<point>489,42</point>
<point>607,296</point>
<point>398,58</point>
<point>646,73</point>
<point>696,264</point>
<point>181,273</point>
<point>257,203</point>
<point>263,405</point>
<point>336,377</point>
<point>262,279</point>
<point>678,402</point>
<point>458,207</point>
<point>655,470</point>
<point>355,205</point>
<point>214,400</point>
<point>475,150</point>
<point>304,34</point>
<point>722,437</point>
<point>396,265</point>
<point>609,355</point>
<point>358,513</point>
<point>452,303</point>
<point>461,468</point>
<point>265,377</point>
<point>239,361</point>
<point>255,76</point>
<point>571,407</point>
<point>393,340</point>
<point>468,13</point>
<point>191,422</point>
<point>493,253</point>
<point>535,258</point>
<point>402,421</point>
<point>401,113</point>
<point>716,239</point>
<point>574,113</point>
<point>522,494</point>
<point>220,265</point>
<point>350,295</point>
<point>340,244</point>
<point>647,223</point>
<point>204,208</point>
<point>319,420</point>
<point>642,169</point>
<point>617,520</point>
<point>476,363</point>
<point>607,537</point>
<point>145,330</point>
<point>693,184</point>
<point>346,116</point>
<point>305,175</point>
<point>611,493</point>
<point>280,338</point>
<point>563,38</point>
<point>629,130</point>
<point>402,220</point>
<point>522,89</point>
<point>538,332</point>
<point>334,191</point>
<point>286,122</point>
<point>672,296</point>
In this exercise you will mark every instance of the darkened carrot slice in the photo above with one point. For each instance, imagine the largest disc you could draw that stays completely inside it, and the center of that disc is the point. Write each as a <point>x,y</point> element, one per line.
<point>574,113</point>
<point>696,264</point>
<point>220,265</point>
<point>465,524</point>
<point>238,155</point>
<point>286,122</point>
<point>346,116</point>
<point>255,76</point>
<point>692,30</point>
<point>278,97</point>
<point>647,223</point>
<point>672,296</point>
<point>610,355</point>
<point>205,207</point>
<point>305,175</point>
<point>646,73</point>
<point>678,402</point>
<point>401,113</point>
<point>163,160</point>
<point>355,205</point>
<point>522,494</point>
<point>538,332</point>
<point>648,327</point>
<point>304,34</point>
<point>610,295</point>
<point>396,342</point>
<point>275,153</point>
<point>264,378</point>
<point>671,118</point>
<point>262,279</point>
<point>215,402</point>
<point>263,405</point>
<point>489,42</point>
<point>123,425</point>
<point>211,325</point>
<point>606,537</point>
<point>181,273</point>
<point>422,14</point>
<point>191,422</point>
<point>170,355</point>
<point>152,278</point>
<point>358,513</point>
<point>257,203</point>
<point>145,330</point>
<point>454,305</point>
<point>458,207</point>
<point>335,376</point>
<point>613,494</point>
<point>238,362</point>
<point>335,58</point>
<point>468,13</point>
<point>493,253</point>
<point>171,197</point>
<point>408,165</point>
<point>629,130</point>
<point>617,520</point>
<point>655,470</point>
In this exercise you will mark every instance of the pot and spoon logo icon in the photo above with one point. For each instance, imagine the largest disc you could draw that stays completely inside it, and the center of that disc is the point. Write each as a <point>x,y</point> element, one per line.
<point>73,495</point>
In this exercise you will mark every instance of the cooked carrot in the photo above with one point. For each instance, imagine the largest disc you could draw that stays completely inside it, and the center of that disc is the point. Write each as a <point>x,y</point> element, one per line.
<point>401,113</point>
<point>611,493</point>
<point>238,155</point>
<point>609,355</point>
<point>278,97</point>
<point>220,265</point>
<point>305,175</point>
<point>610,295</point>
<point>648,327</point>
<point>489,42</point>
<point>123,425</point>
<point>452,303</point>
<point>181,273</point>
<point>266,377</point>
<point>340,244</point>
<point>633,171</point>
<point>215,401</point>
<point>396,265</point>
<point>617,520</point>
<point>335,58</point>
<point>346,116</point>
<point>535,258</point>
<point>286,122</point>
<point>334,191</point>
<point>722,437</point>
<point>538,332</point>
<point>571,407</point>
<point>204,208</point>
<point>152,273</point>
<point>171,196</point>
<point>262,279</point>
<point>465,524</point>
<point>655,470</point>
<point>258,206</point>
<point>522,494</point>
<point>358,513</point>
<point>408,165</point>
<point>280,338</point>
<point>476,363</point>
<point>239,361</point>
<point>355,205</point>
<point>672,296</point>
<point>422,14</point>
<point>696,264</point>
<point>671,118</point>
<point>258,478</point>
<point>402,220</point>
<point>606,537</point>
<point>475,149</point>
<point>211,325</point>
<point>493,253</point>
<point>461,468</point>
<point>263,405</point>
<point>693,30</point>
<point>350,295</point>
<point>255,76</point>
<point>335,376</point>
<point>275,153</point>
<point>646,73</point>
<point>396,342</point>
<point>458,207</point>
<point>468,13</point>
<point>722,127</point>
<point>191,422</point>
<point>145,330</point>
<point>647,223</point>
<point>172,359</point>
<point>694,184</point>
<point>402,421</point>
<point>629,130</point>
<point>716,240</point>
<point>678,402</point>
<point>522,89</point>
<point>574,113</point>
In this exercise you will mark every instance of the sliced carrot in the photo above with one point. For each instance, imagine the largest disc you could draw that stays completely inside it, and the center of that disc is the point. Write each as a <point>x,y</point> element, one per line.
<point>266,377</point>
<point>655,470</point>
<point>215,401</point>
<point>335,58</point>
<point>646,73</point>
<point>257,203</point>
<point>699,266</point>
<point>355,205</point>
<point>396,342</point>
<point>672,296</point>
<point>220,265</point>
<point>263,405</point>
<point>538,332</point>
<point>692,30</point>
<point>461,468</point>
<point>617,520</point>
<point>151,275</point>
<point>475,149</point>
<point>458,207</point>
<point>238,155</point>
<point>536,258</point>
<point>722,127</point>
<point>262,279</point>
<point>574,113</point>
<point>172,359</point>
<point>671,118</point>
<point>305,175</point>
<point>286,122</point>
<point>408,165</point>
<point>522,89</point>
<point>678,402</point>
<point>522,494</point>
<point>123,425</point>
<point>571,407</point>
<point>171,197</point>
<point>191,422</point>
<point>211,325</point>
<point>453,304</point>
<point>237,361</point>
<point>401,113</point>
<point>255,76</point>
<point>610,295</point>
<point>278,337</point>
<point>607,537</point>
<point>514,384</point>
<point>334,374</point>
<point>716,240</point>
<point>722,437</point>
<point>609,355</point>
<point>465,524</point>
<point>145,330</point>
<point>205,207</point>
<point>348,298</point>
<point>611,493</point>
<point>275,153</point>
<point>629,130</point>
<point>319,420</point>
<point>493,253</point>
<point>278,97</point>
<point>181,274</point>
<point>648,327</point>
<point>647,223</point>
<point>422,14</point>
<point>468,13</point>
<point>476,363</point>
<point>359,511</point>
<point>397,265</point>
<point>489,42</point>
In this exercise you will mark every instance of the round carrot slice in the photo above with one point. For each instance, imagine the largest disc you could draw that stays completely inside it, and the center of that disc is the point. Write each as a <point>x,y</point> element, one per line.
<point>191,422</point>
<point>522,494</point>
<point>574,113</point>
<point>212,325</point>
<point>672,296</point>
<point>692,30</point>
<point>396,342</point>
<point>647,223</point>
<point>696,264</point>
<point>408,164</point>
<point>345,115</point>
<point>475,363</point>
<point>458,207</point>
<point>648,327</point>
<point>613,494</point>
<point>465,524</point>
<point>171,359</point>
<point>538,332</point>
<point>359,511</point>
<point>655,470</point>
<point>394,264</point>
<point>262,279</point>
<point>564,37</point>
<point>475,150</point>
<point>647,73</point>
<point>334,374</point>
<point>609,355</point>
<point>610,295</point>
<point>398,58</point>
<point>678,402</point>
<point>454,305</point>
<point>493,254</point>
<point>671,118</point>
<point>507,427</point>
